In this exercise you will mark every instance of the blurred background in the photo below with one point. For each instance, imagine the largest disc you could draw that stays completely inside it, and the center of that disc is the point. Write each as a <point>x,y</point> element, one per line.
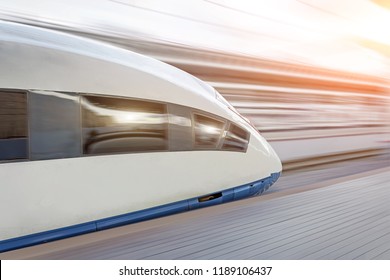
<point>312,75</point>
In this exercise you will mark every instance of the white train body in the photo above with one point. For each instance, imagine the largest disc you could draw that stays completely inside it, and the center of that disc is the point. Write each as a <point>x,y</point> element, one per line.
<point>87,156</point>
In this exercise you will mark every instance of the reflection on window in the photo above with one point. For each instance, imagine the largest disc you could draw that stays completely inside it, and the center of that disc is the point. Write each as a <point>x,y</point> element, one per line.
<point>207,132</point>
<point>13,125</point>
<point>236,139</point>
<point>118,125</point>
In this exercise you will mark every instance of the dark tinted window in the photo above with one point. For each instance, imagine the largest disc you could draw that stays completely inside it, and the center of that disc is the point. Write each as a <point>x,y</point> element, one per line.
<point>55,130</point>
<point>13,125</point>
<point>180,128</point>
<point>119,125</point>
<point>207,131</point>
<point>236,139</point>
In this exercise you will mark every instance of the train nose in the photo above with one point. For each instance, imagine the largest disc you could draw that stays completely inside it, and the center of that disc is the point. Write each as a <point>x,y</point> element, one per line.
<point>274,178</point>
<point>261,186</point>
<point>271,180</point>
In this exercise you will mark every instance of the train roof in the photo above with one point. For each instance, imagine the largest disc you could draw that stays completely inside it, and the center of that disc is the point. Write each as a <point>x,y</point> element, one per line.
<point>55,40</point>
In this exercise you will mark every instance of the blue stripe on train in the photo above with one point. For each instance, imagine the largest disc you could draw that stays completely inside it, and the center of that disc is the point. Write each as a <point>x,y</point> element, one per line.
<point>231,194</point>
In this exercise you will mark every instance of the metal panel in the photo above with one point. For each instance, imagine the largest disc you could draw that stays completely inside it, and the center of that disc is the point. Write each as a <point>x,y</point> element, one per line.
<point>348,220</point>
<point>127,218</point>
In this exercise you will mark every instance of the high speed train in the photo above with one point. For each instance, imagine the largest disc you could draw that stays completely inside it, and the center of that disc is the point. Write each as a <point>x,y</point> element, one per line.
<point>93,136</point>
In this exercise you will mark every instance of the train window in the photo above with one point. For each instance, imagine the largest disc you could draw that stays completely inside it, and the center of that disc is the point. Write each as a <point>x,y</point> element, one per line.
<point>55,130</point>
<point>119,125</point>
<point>13,125</point>
<point>207,132</point>
<point>236,139</point>
<point>180,128</point>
